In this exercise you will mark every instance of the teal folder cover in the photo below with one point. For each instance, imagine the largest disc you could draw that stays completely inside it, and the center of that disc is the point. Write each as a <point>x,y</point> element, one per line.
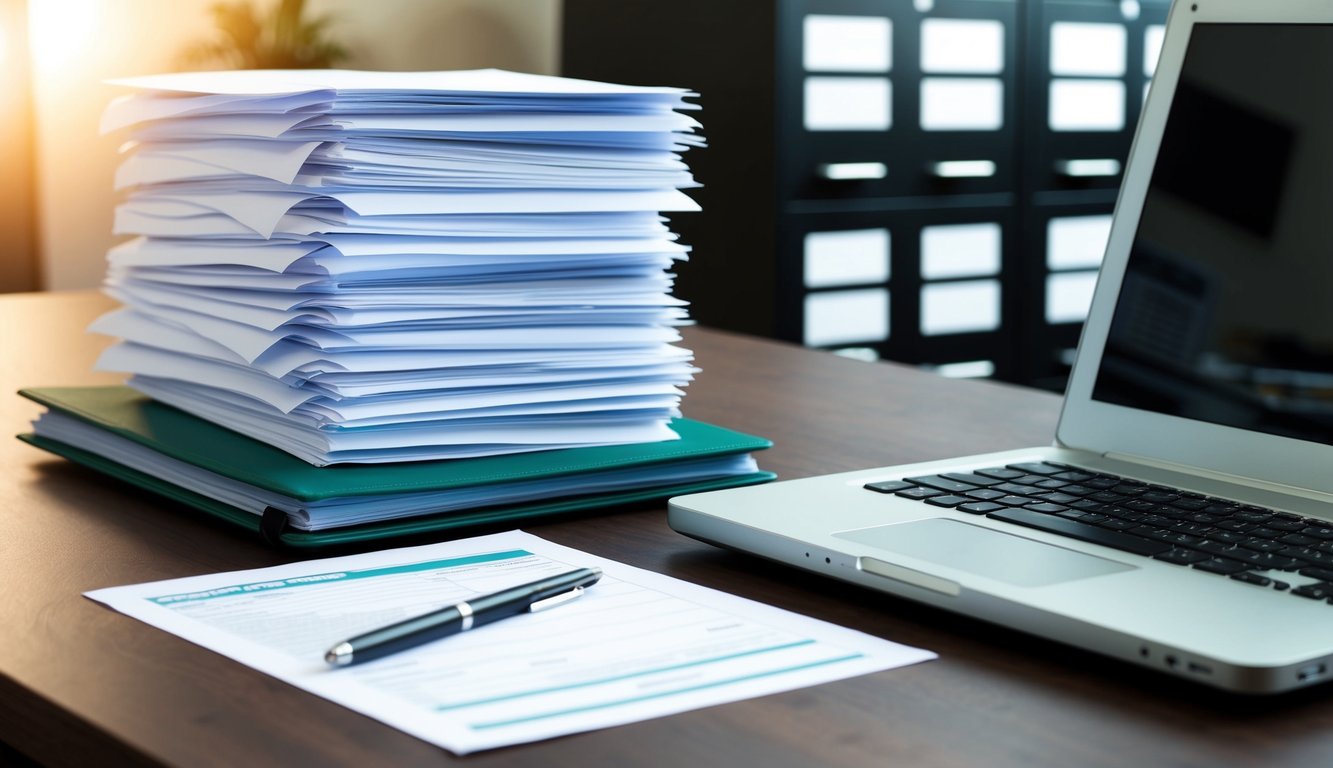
<point>127,414</point>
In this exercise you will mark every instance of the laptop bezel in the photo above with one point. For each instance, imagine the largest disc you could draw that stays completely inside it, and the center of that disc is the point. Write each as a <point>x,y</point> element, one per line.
<point>1124,432</point>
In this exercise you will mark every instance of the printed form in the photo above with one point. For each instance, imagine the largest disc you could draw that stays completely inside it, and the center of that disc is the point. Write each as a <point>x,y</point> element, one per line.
<point>636,645</point>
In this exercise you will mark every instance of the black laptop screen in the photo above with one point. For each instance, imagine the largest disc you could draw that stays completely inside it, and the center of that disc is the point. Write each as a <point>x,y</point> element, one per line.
<point>1226,310</point>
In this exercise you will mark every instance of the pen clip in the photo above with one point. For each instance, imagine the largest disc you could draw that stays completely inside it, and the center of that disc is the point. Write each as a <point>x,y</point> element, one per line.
<point>555,600</point>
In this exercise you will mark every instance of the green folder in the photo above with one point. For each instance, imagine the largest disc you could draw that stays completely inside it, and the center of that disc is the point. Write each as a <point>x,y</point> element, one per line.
<point>129,415</point>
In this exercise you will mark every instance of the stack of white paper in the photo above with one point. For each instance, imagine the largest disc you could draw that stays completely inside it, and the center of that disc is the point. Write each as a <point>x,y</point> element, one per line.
<point>376,266</point>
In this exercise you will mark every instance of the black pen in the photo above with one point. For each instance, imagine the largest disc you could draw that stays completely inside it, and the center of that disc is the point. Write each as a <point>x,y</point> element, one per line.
<point>462,616</point>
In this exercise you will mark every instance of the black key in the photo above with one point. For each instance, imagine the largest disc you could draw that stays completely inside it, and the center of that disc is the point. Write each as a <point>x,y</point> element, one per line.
<point>1034,468</point>
<point>1235,525</point>
<point>888,486</point>
<point>1081,531</point>
<point>1318,532</point>
<point>1046,508</point>
<point>1202,529</point>
<point>1000,473</point>
<point>985,494</point>
<point>1323,574</point>
<point>1288,526</point>
<point>1218,548</point>
<point>1281,586</point>
<point>1088,505</point>
<point>1181,556</point>
<point>1192,505</point>
<point>1265,532</point>
<point>1078,490</point>
<point>979,507</point>
<point>970,478</point>
<point>1310,556</point>
<point>1116,524</point>
<point>1254,515</point>
<point>1159,497</point>
<point>1221,565</point>
<point>1172,513</point>
<point>1179,539</point>
<point>1113,511</point>
<point>1108,497</point>
<point>1266,560</point>
<point>1227,537</point>
<point>1013,488</point>
<point>940,483</point>
<point>947,500</point>
<point>1056,497</point>
<point>1029,479</point>
<point>1102,483</point>
<point>1051,484</point>
<point>1074,476</point>
<point>1320,591</point>
<point>1014,501</point>
<point>1262,545</point>
<point>918,494</point>
<point>1252,578</point>
<point>1297,540</point>
<point>1130,490</point>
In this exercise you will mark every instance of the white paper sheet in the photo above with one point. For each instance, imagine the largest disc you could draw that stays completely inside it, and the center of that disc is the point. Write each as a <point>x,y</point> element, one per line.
<point>261,212</point>
<point>487,82</point>
<point>193,221</point>
<point>635,646</point>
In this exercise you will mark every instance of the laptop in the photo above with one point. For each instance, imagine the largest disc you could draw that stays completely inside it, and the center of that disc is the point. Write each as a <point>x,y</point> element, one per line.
<point>1182,520</point>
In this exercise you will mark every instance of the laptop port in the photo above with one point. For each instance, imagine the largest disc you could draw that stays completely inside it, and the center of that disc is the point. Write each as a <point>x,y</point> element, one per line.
<point>1311,672</point>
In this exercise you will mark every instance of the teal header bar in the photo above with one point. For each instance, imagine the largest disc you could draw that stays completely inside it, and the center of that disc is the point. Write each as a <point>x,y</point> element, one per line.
<point>324,578</point>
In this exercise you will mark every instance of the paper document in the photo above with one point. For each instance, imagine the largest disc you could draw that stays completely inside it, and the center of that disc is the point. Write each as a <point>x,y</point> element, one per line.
<point>338,215</point>
<point>636,645</point>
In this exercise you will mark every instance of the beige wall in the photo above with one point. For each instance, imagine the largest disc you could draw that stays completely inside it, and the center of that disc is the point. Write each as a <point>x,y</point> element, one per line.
<point>80,43</point>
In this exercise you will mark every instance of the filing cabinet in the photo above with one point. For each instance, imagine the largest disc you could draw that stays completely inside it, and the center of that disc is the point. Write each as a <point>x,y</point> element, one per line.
<point>928,181</point>
<point>1088,67</point>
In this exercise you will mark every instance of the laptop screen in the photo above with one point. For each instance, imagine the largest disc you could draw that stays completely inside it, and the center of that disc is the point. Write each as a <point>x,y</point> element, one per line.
<point>1225,314</point>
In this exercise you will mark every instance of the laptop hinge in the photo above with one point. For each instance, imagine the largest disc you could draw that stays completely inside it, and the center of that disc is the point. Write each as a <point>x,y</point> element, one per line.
<point>1225,477</point>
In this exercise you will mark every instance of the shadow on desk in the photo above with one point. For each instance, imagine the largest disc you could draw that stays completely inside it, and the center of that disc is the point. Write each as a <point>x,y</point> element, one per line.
<point>10,758</point>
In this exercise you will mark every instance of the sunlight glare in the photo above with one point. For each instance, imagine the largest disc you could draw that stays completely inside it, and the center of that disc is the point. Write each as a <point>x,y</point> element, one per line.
<point>59,31</point>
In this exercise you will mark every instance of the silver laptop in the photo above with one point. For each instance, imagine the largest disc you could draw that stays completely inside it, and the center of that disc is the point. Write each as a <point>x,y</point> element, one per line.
<point>1183,518</point>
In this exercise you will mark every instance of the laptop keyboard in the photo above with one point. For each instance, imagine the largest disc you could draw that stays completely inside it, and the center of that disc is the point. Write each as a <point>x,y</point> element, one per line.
<point>1245,542</point>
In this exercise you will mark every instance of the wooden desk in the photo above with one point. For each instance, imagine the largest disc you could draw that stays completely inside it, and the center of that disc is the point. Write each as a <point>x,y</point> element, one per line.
<point>81,685</point>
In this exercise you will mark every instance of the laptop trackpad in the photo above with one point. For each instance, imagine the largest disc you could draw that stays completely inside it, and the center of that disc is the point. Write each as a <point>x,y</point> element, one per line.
<point>985,552</point>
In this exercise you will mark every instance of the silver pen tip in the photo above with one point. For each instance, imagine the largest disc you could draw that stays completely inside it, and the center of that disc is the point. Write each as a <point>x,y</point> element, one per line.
<point>339,655</point>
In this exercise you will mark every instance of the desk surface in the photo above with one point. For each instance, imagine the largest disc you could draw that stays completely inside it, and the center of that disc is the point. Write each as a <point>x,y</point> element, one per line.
<point>80,684</point>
